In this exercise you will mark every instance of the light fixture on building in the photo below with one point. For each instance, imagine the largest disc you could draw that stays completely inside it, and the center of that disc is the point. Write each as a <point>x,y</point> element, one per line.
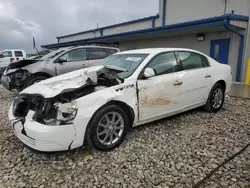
<point>200,37</point>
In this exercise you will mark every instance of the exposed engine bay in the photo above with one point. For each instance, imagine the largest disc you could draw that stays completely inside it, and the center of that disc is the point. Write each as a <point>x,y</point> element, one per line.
<point>58,110</point>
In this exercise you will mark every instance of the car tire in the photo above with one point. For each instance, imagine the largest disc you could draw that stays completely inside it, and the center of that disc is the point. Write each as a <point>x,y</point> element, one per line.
<point>34,79</point>
<point>215,99</point>
<point>102,128</point>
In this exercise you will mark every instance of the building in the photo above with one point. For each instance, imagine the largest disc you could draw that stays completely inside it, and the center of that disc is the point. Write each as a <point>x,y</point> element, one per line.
<point>219,28</point>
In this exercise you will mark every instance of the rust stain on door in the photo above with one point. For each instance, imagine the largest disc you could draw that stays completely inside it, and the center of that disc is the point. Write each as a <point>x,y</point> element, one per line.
<point>160,101</point>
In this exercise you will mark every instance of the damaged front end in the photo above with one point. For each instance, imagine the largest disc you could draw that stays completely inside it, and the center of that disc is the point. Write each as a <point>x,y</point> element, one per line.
<point>45,115</point>
<point>15,76</point>
<point>51,111</point>
<point>15,80</point>
<point>56,106</point>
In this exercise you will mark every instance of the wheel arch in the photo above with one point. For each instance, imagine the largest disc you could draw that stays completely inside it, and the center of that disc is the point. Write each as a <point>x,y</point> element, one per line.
<point>40,74</point>
<point>127,109</point>
<point>222,82</point>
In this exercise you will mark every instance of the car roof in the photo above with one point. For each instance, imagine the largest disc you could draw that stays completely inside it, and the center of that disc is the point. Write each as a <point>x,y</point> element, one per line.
<point>155,50</point>
<point>93,46</point>
<point>13,49</point>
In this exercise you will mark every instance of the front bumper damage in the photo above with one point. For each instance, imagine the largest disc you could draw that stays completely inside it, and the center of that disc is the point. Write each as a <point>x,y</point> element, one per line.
<point>5,80</point>
<point>45,115</point>
<point>42,137</point>
<point>15,78</point>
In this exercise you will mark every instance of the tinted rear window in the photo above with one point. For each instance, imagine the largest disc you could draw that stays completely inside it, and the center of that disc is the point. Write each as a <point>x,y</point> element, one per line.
<point>111,51</point>
<point>18,53</point>
<point>96,53</point>
<point>191,60</point>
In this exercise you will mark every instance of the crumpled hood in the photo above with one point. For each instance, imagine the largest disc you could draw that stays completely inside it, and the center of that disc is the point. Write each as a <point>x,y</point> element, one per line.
<point>67,82</point>
<point>23,63</point>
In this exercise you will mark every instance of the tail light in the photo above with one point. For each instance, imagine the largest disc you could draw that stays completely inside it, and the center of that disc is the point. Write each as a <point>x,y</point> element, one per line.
<point>12,59</point>
<point>17,59</point>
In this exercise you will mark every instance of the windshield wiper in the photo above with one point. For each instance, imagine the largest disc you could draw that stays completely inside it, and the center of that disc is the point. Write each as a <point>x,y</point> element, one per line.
<point>120,69</point>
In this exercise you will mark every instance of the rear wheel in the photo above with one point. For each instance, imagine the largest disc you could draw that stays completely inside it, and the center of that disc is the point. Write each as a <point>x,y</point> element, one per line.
<point>109,127</point>
<point>34,79</point>
<point>216,98</point>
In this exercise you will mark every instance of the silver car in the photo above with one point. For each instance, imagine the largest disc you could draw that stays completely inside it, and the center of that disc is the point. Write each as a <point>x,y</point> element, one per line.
<point>25,73</point>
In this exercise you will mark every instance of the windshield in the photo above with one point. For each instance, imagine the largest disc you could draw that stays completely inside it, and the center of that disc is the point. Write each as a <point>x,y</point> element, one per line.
<point>53,54</point>
<point>6,54</point>
<point>126,61</point>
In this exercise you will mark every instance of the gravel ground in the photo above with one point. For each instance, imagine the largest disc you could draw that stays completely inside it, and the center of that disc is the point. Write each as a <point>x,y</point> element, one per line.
<point>174,152</point>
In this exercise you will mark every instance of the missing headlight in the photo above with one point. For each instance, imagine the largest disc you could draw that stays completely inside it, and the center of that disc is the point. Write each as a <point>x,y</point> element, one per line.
<point>21,106</point>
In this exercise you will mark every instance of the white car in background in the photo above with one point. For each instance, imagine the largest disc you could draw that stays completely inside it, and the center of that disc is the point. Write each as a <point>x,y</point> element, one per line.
<point>124,90</point>
<point>10,56</point>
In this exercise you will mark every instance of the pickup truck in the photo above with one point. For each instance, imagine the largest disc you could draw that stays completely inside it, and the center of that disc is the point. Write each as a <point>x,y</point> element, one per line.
<point>25,73</point>
<point>10,56</point>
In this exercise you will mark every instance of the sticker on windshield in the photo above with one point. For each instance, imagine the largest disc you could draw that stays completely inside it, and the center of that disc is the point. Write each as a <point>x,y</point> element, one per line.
<point>133,59</point>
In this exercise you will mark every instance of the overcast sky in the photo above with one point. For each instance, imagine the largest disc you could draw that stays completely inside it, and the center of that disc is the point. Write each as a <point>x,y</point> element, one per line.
<point>47,19</point>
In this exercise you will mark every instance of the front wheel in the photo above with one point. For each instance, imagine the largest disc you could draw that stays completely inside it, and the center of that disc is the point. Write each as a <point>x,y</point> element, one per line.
<point>109,127</point>
<point>216,98</point>
<point>34,80</point>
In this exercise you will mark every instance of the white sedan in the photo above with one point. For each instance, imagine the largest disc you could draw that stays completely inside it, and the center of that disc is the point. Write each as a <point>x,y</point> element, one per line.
<point>127,89</point>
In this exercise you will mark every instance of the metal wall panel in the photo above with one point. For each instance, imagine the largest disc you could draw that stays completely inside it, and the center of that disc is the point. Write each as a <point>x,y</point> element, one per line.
<point>80,36</point>
<point>186,10</point>
<point>239,24</point>
<point>238,6</point>
<point>127,28</point>
<point>109,31</point>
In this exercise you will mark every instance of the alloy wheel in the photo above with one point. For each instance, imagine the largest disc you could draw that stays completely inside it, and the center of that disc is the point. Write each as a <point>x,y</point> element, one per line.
<point>110,128</point>
<point>217,98</point>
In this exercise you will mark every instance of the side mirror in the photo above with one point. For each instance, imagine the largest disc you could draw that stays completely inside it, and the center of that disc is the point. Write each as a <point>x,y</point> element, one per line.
<point>62,60</point>
<point>148,72</point>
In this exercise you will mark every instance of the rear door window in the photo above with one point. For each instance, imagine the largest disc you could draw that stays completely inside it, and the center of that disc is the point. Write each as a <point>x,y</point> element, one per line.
<point>191,60</point>
<point>18,53</point>
<point>111,51</point>
<point>96,53</point>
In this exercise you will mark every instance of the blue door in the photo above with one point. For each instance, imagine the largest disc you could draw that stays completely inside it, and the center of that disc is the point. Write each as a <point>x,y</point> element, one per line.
<point>220,50</point>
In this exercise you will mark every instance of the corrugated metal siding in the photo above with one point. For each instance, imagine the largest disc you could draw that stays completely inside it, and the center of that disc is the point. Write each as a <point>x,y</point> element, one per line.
<point>186,10</point>
<point>239,24</point>
<point>127,28</point>
<point>109,31</point>
<point>158,22</point>
<point>239,6</point>
<point>247,53</point>
<point>190,41</point>
<point>80,36</point>
<point>247,49</point>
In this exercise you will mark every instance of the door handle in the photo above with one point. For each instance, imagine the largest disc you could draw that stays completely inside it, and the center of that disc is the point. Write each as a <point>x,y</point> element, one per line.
<point>207,76</point>
<point>84,65</point>
<point>177,83</point>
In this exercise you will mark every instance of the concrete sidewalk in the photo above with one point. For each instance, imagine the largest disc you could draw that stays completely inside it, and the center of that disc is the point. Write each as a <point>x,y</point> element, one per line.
<point>240,90</point>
